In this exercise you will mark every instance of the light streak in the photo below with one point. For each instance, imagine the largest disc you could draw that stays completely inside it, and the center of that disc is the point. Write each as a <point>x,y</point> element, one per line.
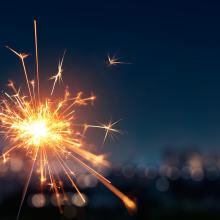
<point>44,129</point>
<point>36,57</point>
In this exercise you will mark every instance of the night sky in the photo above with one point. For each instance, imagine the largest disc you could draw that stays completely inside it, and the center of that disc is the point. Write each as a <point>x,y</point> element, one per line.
<point>168,97</point>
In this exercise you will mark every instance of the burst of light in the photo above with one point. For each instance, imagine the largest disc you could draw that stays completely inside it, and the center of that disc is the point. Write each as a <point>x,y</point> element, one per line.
<point>113,61</point>
<point>44,129</point>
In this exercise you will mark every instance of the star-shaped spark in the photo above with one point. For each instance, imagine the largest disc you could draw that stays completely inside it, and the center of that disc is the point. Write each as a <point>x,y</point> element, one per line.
<point>109,128</point>
<point>58,76</point>
<point>113,61</point>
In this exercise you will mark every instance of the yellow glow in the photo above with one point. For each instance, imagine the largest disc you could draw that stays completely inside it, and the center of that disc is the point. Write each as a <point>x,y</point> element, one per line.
<point>41,127</point>
<point>36,131</point>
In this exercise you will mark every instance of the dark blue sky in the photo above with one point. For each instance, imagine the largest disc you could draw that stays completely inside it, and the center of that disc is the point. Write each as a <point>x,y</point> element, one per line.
<point>168,96</point>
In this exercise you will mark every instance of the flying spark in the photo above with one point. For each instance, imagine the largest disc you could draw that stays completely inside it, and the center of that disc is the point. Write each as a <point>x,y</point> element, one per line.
<point>45,130</point>
<point>58,76</point>
<point>113,61</point>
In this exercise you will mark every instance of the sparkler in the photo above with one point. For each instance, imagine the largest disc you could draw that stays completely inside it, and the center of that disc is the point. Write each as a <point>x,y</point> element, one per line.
<point>44,129</point>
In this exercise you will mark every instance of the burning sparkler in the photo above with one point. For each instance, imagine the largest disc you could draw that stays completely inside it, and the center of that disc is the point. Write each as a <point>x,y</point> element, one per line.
<point>44,129</point>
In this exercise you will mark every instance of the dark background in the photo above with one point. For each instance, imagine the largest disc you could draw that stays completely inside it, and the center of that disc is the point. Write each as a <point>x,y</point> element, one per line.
<point>167,98</point>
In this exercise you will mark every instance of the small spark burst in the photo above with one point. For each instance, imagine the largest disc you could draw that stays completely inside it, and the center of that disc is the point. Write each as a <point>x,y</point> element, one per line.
<point>59,76</point>
<point>43,128</point>
<point>113,61</point>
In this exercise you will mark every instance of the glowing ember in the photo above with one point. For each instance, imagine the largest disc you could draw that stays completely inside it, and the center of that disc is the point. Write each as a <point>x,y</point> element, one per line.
<point>44,129</point>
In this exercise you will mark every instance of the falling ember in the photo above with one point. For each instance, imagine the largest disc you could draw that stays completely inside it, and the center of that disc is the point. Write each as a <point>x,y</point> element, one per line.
<point>44,129</point>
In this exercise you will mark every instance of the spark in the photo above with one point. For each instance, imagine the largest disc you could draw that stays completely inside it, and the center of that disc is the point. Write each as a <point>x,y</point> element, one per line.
<point>58,76</point>
<point>108,128</point>
<point>45,130</point>
<point>113,61</point>
<point>36,57</point>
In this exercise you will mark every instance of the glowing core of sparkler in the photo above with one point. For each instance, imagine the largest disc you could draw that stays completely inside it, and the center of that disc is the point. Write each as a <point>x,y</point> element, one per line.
<point>37,131</point>
<point>43,128</point>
